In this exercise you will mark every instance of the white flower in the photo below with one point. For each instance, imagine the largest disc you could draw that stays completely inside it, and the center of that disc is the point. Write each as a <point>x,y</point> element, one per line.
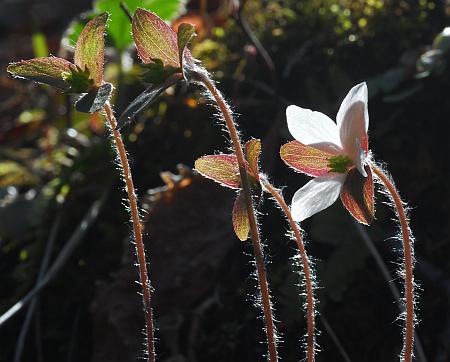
<point>335,154</point>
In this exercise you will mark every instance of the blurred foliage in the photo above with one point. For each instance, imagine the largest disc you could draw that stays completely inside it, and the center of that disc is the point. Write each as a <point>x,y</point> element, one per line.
<point>57,161</point>
<point>119,25</point>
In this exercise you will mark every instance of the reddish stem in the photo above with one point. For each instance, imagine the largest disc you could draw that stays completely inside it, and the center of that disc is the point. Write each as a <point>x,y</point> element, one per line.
<point>203,78</point>
<point>311,341</point>
<point>137,231</point>
<point>408,341</point>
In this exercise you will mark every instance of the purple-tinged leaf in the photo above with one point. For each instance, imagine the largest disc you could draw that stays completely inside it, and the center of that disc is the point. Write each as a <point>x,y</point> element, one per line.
<point>145,99</point>
<point>252,152</point>
<point>90,48</point>
<point>357,195</point>
<point>241,224</point>
<point>306,159</point>
<point>47,70</point>
<point>94,100</point>
<point>220,168</point>
<point>185,33</point>
<point>154,39</point>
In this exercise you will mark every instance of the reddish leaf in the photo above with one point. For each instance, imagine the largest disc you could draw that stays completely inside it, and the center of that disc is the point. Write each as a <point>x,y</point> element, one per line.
<point>241,223</point>
<point>154,39</point>
<point>43,70</point>
<point>252,152</point>
<point>357,195</point>
<point>306,159</point>
<point>90,48</point>
<point>220,168</point>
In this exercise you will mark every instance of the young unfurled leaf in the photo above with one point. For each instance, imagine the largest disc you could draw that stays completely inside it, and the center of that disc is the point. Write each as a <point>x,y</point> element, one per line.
<point>145,99</point>
<point>154,39</point>
<point>157,73</point>
<point>47,70</point>
<point>221,168</point>
<point>185,33</point>
<point>357,195</point>
<point>94,100</point>
<point>79,80</point>
<point>307,159</point>
<point>241,223</point>
<point>252,152</point>
<point>89,51</point>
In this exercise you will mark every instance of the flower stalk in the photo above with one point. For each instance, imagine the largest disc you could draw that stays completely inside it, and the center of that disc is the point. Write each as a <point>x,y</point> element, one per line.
<point>137,231</point>
<point>307,270</point>
<point>202,77</point>
<point>408,335</point>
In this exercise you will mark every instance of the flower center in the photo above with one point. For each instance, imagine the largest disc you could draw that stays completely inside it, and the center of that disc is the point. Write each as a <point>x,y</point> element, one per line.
<point>339,163</point>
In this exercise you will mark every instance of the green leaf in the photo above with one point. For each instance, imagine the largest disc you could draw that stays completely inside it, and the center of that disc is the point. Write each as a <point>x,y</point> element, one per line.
<point>221,168</point>
<point>120,28</point>
<point>90,48</point>
<point>154,39</point>
<point>48,70</point>
<point>95,100</point>
<point>241,224</point>
<point>40,48</point>
<point>146,98</point>
<point>185,33</point>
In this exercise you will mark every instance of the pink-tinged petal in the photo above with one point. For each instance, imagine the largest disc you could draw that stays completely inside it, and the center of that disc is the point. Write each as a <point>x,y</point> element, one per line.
<point>241,224</point>
<point>220,168</point>
<point>316,195</point>
<point>353,121</point>
<point>313,128</point>
<point>357,196</point>
<point>90,48</point>
<point>252,152</point>
<point>154,39</point>
<point>47,70</point>
<point>307,159</point>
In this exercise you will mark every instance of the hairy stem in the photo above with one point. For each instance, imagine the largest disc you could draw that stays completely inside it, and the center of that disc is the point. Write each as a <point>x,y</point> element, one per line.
<point>137,231</point>
<point>307,272</point>
<point>203,78</point>
<point>408,338</point>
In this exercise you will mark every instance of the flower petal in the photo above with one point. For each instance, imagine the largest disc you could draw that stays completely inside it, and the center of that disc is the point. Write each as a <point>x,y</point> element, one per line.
<point>357,195</point>
<point>241,224</point>
<point>90,48</point>
<point>313,128</point>
<point>353,121</point>
<point>316,196</point>
<point>221,168</point>
<point>307,159</point>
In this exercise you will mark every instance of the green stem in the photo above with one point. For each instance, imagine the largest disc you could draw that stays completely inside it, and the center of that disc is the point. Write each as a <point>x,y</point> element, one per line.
<point>307,271</point>
<point>202,77</point>
<point>137,231</point>
<point>408,338</point>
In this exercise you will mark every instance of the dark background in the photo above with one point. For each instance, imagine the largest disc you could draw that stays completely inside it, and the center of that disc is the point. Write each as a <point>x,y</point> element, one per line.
<point>55,163</point>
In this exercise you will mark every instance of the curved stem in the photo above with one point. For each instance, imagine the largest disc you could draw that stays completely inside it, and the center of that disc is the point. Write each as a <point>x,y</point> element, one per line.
<point>307,272</point>
<point>204,79</point>
<point>137,231</point>
<point>408,340</point>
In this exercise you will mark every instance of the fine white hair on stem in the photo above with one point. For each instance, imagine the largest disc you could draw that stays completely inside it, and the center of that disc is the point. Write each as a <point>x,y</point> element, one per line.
<point>405,235</point>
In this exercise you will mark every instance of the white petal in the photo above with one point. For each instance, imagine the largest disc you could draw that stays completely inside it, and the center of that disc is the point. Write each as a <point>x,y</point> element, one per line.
<point>316,195</point>
<point>358,93</point>
<point>353,122</point>
<point>312,128</point>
